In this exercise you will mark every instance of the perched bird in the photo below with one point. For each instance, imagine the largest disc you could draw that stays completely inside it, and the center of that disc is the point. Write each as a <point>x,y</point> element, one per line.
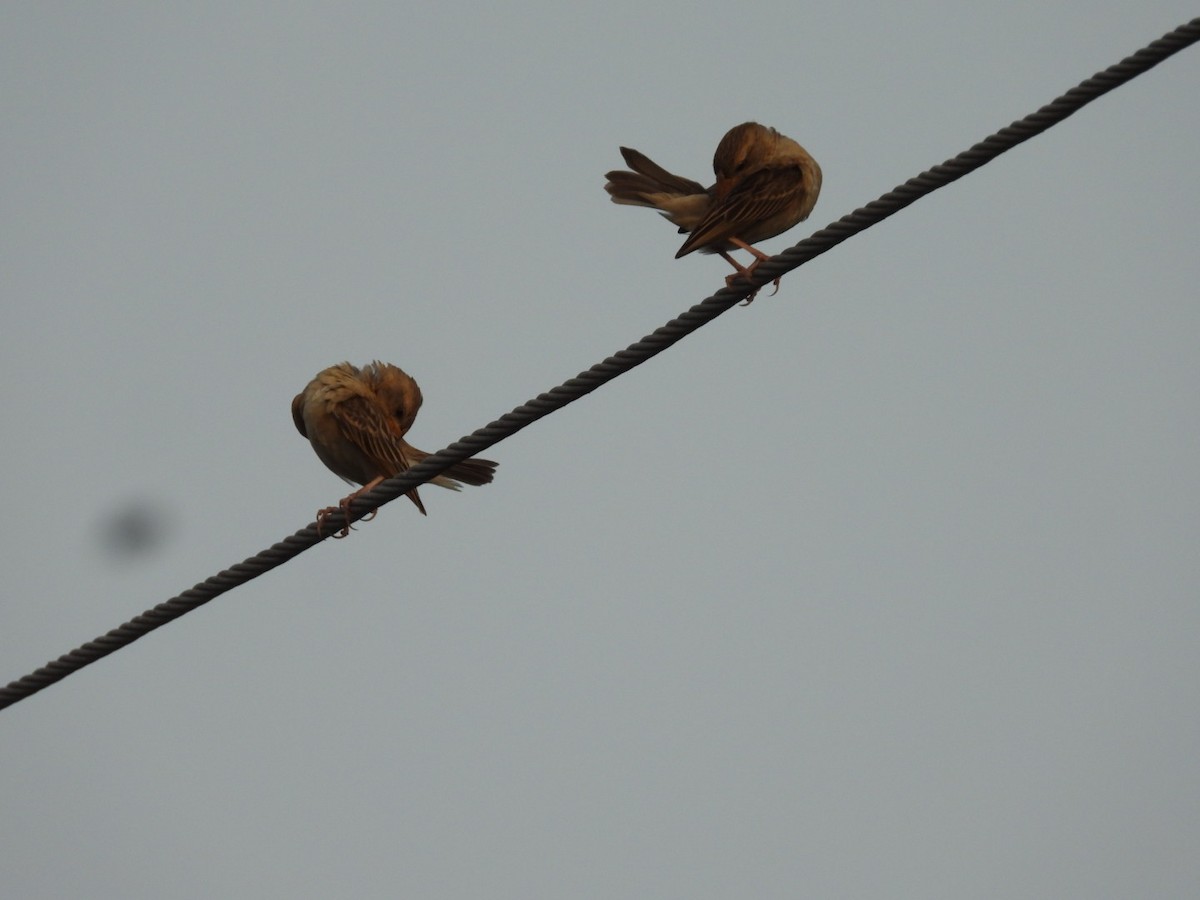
<point>356,420</point>
<point>766,183</point>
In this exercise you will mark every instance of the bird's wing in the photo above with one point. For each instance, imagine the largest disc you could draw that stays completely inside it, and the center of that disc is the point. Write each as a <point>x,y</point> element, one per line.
<point>373,431</point>
<point>756,198</point>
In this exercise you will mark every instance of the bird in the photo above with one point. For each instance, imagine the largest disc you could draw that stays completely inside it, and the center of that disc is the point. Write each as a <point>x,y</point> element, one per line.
<point>356,420</point>
<point>766,183</point>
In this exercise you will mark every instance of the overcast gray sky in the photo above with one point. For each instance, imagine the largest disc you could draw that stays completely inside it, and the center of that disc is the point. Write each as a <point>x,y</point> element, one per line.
<point>885,586</point>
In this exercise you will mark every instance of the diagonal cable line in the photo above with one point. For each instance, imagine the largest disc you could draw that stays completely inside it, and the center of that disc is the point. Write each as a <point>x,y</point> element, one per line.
<point>618,364</point>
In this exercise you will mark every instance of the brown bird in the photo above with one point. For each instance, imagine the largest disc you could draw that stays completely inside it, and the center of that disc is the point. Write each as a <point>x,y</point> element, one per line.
<point>356,420</point>
<point>766,183</point>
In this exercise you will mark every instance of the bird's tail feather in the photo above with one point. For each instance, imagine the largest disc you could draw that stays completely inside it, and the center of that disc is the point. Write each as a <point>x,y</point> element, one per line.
<point>471,471</point>
<point>647,183</point>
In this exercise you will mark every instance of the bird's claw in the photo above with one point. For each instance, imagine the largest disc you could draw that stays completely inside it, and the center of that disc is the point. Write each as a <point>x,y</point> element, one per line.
<point>344,508</point>
<point>325,513</point>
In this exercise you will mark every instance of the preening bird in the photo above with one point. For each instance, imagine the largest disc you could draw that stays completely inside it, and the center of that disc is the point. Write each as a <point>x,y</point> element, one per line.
<point>356,420</point>
<point>766,183</point>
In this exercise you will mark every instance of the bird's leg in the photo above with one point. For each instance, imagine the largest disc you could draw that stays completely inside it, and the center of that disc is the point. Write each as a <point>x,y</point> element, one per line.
<point>758,255</point>
<point>741,270</point>
<point>370,485</point>
<point>344,507</point>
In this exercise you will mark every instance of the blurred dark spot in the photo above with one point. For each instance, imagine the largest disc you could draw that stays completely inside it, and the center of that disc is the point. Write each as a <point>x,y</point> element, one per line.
<point>135,528</point>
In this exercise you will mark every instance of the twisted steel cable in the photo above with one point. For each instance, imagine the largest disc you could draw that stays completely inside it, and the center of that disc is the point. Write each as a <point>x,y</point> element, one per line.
<point>618,364</point>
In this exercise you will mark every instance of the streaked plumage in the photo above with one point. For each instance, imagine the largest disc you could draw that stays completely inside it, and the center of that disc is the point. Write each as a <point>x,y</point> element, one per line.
<point>356,420</point>
<point>766,183</point>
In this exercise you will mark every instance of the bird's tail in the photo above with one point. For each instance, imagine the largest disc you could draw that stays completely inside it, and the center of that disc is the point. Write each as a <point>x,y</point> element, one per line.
<point>471,471</point>
<point>647,179</point>
<point>642,186</point>
<point>681,200</point>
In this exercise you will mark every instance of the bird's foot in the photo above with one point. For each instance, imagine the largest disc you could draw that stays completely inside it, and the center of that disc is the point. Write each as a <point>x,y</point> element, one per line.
<point>344,508</point>
<point>325,513</point>
<point>748,271</point>
<point>731,281</point>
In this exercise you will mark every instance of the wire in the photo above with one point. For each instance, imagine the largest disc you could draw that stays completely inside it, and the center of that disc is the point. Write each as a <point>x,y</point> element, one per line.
<point>618,364</point>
